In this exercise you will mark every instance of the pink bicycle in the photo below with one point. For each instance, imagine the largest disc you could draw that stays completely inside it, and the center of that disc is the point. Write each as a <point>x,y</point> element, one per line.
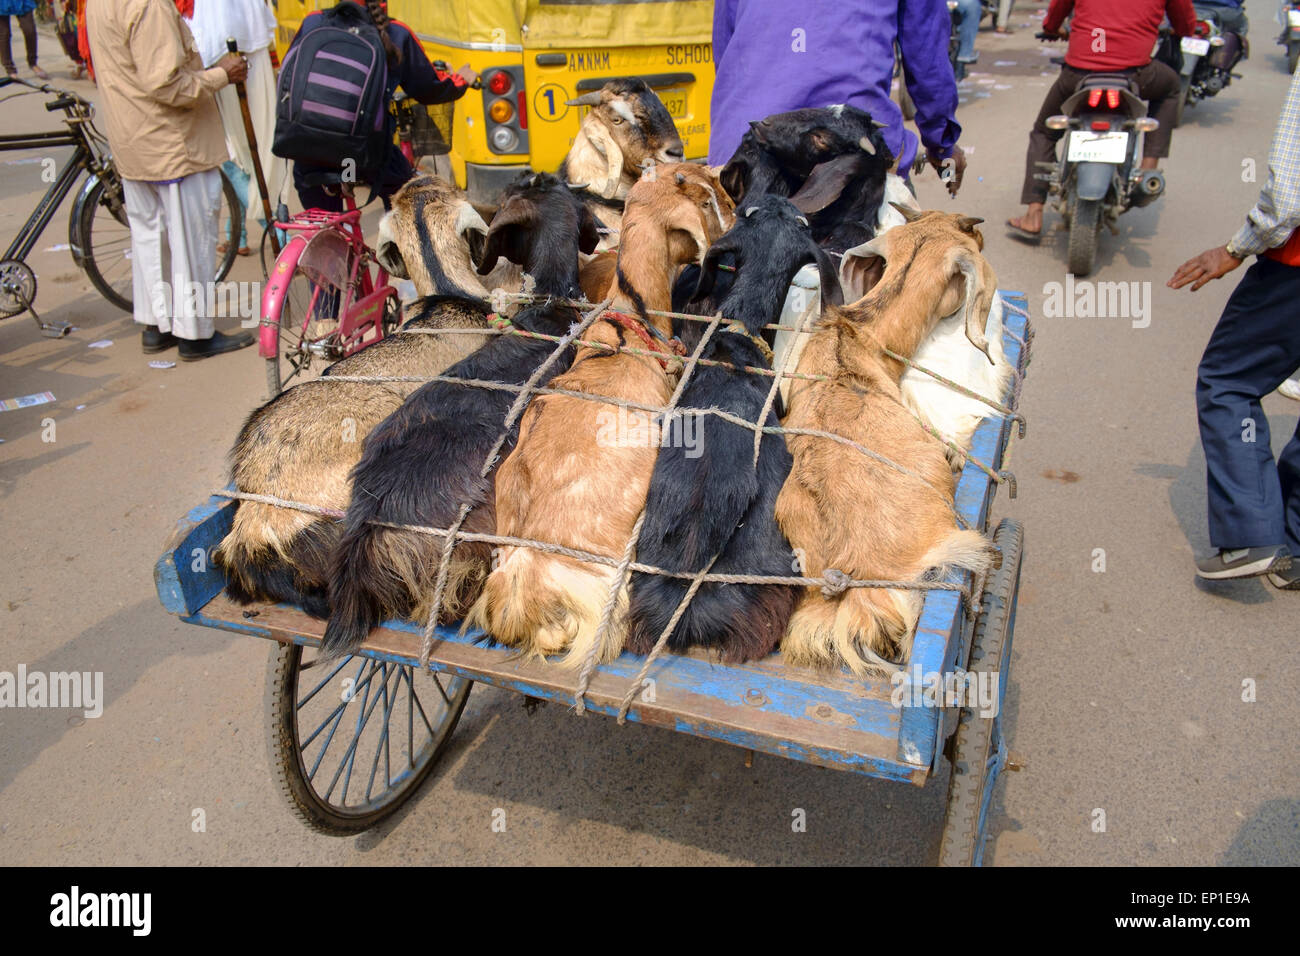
<point>322,300</point>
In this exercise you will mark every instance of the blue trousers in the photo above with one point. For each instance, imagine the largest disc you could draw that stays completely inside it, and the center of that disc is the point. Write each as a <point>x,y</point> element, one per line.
<point>1253,500</point>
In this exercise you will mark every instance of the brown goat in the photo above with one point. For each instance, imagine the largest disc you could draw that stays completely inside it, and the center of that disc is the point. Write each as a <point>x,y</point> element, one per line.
<point>841,509</point>
<point>566,481</point>
<point>301,445</point>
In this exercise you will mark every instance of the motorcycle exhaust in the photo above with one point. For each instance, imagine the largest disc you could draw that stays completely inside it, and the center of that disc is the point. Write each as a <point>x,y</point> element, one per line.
<point>1150,187</point>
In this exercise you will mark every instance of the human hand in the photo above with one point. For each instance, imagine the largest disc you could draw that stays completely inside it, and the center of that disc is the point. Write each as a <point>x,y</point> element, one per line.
<point>1210,264</point>
<point>950,170</point>
<point>468,74</point>
<point>236,67</point>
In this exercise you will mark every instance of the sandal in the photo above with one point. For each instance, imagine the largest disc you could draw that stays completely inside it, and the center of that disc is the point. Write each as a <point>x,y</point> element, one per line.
<point>1024,235</point>
<point>39,73</point>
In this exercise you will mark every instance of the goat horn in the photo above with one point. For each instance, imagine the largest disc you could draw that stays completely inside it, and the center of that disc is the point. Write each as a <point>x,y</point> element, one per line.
<point>681,180</point>
<point>750,211</point>
<point>911,215</point>
<point>968,223</point>
<point>578,187</point>
<point>586,99</point>
<point>866,144</point>
<point>976,326</point>
<point>878,125</point>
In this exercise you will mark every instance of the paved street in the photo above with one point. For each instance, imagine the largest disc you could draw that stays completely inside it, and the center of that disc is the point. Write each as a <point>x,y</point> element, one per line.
<point>1126,684</point>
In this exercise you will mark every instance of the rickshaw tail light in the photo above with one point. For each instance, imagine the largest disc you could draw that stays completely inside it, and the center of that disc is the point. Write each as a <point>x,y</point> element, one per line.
<point>501,111</point>
<point>499,83</point>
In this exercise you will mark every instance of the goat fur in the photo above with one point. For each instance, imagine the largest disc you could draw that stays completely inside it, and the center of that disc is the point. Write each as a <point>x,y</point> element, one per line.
<point>301,445</point>
<point>424,461</point>
<point>847,511</point>
<point>566,482</point>
<point>714,500</point>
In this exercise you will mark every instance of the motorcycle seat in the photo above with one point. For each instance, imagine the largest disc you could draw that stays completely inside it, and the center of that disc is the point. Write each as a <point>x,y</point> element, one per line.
<point>1121,81</point>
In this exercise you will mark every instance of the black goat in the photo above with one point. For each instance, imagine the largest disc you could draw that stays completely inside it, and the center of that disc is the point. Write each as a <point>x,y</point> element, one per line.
<point>423,462</point>
<point>706,498</point>
<point>831,161</point>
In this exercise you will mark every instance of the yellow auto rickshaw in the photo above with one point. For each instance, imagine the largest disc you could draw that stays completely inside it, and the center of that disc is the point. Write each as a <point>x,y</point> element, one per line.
<point>533,56</point>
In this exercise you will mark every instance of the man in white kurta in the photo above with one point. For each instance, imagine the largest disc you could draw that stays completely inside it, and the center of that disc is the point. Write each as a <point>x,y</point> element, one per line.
<point>161,119</point>
<point>252,24</point>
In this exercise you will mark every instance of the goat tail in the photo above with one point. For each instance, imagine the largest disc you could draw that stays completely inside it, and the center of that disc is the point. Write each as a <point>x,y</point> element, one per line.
<point>870,630</point>
<point>547,605</point>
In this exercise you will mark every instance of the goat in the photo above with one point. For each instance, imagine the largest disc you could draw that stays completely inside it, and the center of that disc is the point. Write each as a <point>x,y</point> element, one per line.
<point>425,460</point>
<point>627,129</point>
<point>301,445</point>
<point>831,161</point>
<point>947,351</point>
<point>573,479</point>
<point>849,512</point>
<point>709,499</point>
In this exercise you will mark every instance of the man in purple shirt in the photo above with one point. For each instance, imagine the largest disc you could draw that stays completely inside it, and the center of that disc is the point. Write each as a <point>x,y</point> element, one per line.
<point>772,56</point>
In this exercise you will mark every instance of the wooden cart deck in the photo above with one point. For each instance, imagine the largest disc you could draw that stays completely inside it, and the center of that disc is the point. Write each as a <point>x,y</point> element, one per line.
<point>828,719</point>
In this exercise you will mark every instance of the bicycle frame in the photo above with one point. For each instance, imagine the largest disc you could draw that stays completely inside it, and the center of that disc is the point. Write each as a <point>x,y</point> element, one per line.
<point>363,299</point>
<point>27,237</point>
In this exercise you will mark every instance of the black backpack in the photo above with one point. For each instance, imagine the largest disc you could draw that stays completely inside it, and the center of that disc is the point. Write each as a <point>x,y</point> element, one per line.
<point>330,104</point>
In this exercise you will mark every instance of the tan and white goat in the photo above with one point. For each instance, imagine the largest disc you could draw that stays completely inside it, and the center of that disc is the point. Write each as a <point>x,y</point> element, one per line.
<point>846,511</point>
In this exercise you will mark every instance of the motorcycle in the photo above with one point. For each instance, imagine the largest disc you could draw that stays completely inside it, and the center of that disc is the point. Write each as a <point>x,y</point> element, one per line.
<point>1290,37</point>
<point>1203,61</point>
<point>1097,177</point>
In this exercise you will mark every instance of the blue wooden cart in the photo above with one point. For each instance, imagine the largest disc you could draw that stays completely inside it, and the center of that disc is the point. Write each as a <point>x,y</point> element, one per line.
<point>352,739</point>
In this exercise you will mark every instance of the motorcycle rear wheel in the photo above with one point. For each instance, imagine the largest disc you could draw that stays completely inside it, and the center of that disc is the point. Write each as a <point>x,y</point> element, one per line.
<point>1085,227</point>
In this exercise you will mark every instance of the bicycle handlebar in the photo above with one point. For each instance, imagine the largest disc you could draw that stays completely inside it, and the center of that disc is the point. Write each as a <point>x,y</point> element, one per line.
<point>62,103</point>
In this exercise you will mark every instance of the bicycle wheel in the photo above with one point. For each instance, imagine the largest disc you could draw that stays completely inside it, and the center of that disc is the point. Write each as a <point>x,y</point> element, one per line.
<point>305,326</point>
<point>352,740</point>
<point>103,235</point>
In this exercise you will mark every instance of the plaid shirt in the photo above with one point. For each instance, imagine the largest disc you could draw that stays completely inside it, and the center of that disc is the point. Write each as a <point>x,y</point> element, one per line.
<point>1277,213</point>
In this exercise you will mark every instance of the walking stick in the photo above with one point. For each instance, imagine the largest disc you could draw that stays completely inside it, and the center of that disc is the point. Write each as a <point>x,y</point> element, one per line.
<point>233,46</point>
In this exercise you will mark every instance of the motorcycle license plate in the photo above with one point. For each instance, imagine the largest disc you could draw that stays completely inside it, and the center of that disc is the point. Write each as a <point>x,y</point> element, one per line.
<point>1195,46</point>
<point>1090,147</point>
<point>1293,18</point>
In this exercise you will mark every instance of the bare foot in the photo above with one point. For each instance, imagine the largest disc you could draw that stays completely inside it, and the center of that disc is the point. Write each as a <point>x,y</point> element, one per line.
<point>1031,222</point>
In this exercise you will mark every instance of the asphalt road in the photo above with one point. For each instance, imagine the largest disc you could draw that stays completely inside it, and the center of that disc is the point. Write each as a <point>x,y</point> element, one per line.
<point>1125,687</point>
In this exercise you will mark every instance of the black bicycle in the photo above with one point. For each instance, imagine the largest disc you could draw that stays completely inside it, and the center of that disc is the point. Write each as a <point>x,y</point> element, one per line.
<point>98,233</point>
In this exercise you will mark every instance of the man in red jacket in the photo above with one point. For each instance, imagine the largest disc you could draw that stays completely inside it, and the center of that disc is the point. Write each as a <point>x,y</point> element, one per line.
<point>1106,36</point>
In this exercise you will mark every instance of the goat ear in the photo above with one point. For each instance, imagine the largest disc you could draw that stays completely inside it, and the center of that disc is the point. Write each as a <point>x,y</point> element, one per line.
<point>588,230</point>
<point>831,292</point>
<point>819,139</point>
<point>709,268</point>
<point>390,257</point>
<point>827,182</point>
<point>735,179</point>
<point>862,267</point>
<point>471,227</point>
<point>603,143</point>
<point>387,252</point>
<point>981,286</point>
<point>508,235</point>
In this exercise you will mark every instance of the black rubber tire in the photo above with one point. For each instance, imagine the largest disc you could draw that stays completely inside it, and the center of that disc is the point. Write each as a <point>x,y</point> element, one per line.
<point>1085,229</point>
<point>974,740</point>
<point>96,204</point>
<point>1184,90</point>
<point>1292,56</point>
<point>286,757</point>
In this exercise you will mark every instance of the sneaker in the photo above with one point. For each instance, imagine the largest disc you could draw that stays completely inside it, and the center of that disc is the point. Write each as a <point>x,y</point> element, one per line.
<point>1288,580</point>
<point>153,340</point>
<point>219,343</point>
<point>1290,388</point>
<point>1244,562</point>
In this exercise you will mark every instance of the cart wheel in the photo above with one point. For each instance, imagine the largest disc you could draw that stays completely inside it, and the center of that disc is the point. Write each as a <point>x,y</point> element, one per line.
<point>978,748</point>
<point>353,738</point>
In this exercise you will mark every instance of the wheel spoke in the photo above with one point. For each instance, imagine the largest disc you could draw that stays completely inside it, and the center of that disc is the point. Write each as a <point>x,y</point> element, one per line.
<point>382,745</point>
<point>315,690</point>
